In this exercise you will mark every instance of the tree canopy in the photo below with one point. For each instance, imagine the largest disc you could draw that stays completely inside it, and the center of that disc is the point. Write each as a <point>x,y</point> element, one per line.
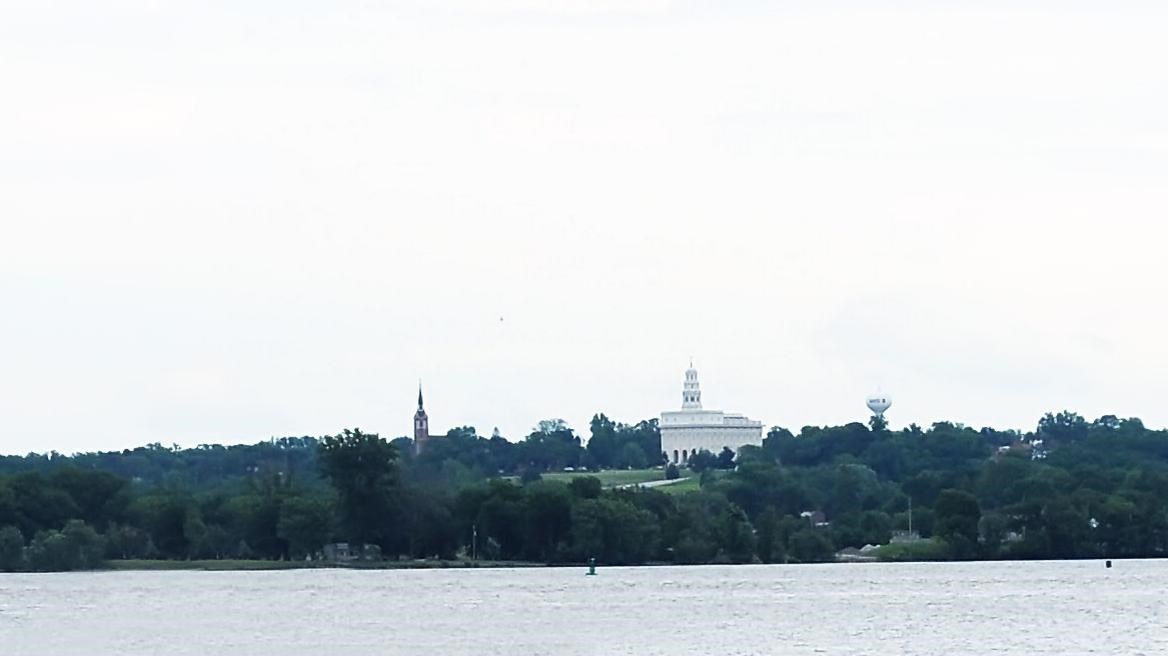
<point>1070,488</point>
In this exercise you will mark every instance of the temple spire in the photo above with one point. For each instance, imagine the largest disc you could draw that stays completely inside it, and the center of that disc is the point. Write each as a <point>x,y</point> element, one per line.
<point>419,395</point>
<point>691,393</point>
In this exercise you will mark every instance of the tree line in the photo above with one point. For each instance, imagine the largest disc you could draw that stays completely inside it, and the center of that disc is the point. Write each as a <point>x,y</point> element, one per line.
<point>1067,489</point>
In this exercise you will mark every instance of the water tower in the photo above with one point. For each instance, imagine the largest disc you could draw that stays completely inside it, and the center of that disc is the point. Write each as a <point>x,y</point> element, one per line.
<point>879,403</point>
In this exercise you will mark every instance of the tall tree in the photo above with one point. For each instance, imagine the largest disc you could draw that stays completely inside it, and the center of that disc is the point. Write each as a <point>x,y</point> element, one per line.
<point>362,468</point>
<point>1063,427</point>
<point>305,524</point>
<point>11,549</point>
<point>602,444</point>
<point>736,535</point>
<point>726,458</point>
<point>957,516</point>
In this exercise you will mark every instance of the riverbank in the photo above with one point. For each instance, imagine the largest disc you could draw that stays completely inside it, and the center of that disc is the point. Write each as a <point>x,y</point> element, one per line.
<point>231,565</point>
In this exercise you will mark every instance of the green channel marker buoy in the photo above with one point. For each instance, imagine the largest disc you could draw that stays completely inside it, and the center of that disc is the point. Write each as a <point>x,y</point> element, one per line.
<point>591,567</point>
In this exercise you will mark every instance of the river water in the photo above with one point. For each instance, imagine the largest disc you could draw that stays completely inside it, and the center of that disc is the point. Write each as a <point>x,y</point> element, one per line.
<point>915,609</point>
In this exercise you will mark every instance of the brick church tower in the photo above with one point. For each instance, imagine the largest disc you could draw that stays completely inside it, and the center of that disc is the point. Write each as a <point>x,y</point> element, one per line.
<point>421,425</point>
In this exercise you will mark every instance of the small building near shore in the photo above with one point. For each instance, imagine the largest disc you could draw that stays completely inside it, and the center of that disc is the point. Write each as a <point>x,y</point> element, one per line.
<point>343,552</point>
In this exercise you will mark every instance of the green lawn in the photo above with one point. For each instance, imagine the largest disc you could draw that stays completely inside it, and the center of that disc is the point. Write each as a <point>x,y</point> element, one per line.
<point>611,477</point>
<point>691,484</point>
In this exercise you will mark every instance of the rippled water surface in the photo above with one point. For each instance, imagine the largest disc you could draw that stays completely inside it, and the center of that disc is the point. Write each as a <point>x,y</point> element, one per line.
<point>968,608</point>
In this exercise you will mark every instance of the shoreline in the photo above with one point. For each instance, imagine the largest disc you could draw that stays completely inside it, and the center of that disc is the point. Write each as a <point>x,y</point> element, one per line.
<point>237,565</point>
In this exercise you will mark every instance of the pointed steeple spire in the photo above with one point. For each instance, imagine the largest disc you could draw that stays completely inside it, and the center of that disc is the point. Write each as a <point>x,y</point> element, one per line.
<point>421,424</point>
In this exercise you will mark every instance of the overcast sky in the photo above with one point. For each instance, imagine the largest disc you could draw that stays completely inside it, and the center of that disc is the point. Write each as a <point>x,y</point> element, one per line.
<point>226,221</point>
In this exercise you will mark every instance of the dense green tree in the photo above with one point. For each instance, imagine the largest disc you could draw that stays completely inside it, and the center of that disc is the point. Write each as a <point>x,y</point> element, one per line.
<point>777,441</point>
<point>811,545</point>
<point>958,514</point>
<point>702,461</point>
<point>771,544</point>
<point>602,446</point>
<point>691,529</point>
<point>586,487</point>
<point>163,517</point>
<point>613,531</point>
<point>695,549</point>
<point>11,549</point>
<point>1067,527</point>
<point>89,545</point>
<point>363,470</point>
<point>38,504</point>
<point>999,479</point>
<point>195,532</point>
<point>255,518</point>
<point>305,524</point>
<point>9,513</point>
<point>726,458</point>
<point>632,456</point>
<point>101,497</point>
<point>876,527</point>
<point>647,435</point>
<point>1062,427</point>
<point>76,546</point>
<point>551,447</point>
<point>499,514</point>
<point>429,528</point>
<point>548,521</point>
<point>736,536</point>
<point>125,542</point>
<point>992,529</point>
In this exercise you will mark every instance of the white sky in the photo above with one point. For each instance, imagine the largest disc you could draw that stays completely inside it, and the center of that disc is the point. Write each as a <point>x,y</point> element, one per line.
<point>225,221</point>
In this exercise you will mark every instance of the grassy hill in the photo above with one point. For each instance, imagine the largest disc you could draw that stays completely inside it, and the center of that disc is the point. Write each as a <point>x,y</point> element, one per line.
<point>612,477</point>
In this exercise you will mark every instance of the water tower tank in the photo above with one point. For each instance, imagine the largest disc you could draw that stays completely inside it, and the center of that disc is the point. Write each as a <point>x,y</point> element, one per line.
<point>879,403</point>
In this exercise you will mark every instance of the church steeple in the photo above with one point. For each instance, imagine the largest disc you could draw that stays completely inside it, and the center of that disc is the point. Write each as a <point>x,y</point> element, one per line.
<point>691,393</point>
<point>421,425</point>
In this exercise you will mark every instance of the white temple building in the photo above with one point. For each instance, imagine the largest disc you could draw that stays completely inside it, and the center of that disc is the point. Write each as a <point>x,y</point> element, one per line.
<point>689,430</point>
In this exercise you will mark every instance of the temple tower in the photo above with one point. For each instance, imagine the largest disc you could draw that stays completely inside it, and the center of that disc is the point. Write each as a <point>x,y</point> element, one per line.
<point>691,393</point>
